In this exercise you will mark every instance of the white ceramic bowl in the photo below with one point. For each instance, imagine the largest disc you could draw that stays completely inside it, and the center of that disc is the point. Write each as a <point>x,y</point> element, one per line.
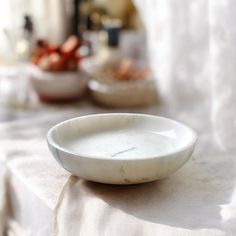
<point>141,92</point>
<point>121,148</point>
<point>58,86</point>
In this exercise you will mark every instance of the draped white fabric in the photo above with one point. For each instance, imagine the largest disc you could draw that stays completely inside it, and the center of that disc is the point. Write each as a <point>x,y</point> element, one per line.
<point>192,52</point>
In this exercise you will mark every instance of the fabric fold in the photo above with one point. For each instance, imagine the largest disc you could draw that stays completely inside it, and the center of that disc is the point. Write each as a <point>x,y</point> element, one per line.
<point>3,198</point>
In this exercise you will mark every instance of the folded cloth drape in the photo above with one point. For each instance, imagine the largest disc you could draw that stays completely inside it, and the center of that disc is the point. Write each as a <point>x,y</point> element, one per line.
<point>3,204</point>
<point>35,187</point>
<point>49,201</point>
<point>26,139</point>
<point>97,216</point>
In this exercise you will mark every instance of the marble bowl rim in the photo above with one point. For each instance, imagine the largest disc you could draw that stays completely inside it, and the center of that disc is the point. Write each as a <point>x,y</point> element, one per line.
<point>176,151</point>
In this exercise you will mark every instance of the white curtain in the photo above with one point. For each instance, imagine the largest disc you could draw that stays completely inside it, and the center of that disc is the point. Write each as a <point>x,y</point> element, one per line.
<point>192,51</point>
<point>50,19</point>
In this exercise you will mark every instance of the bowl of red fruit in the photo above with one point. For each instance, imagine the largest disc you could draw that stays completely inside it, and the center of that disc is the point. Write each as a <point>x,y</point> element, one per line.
<point>54,72</point>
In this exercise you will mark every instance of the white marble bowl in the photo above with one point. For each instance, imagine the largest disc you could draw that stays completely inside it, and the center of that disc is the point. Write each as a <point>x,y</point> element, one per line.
<point>121,148</point>
<point>58,86</point>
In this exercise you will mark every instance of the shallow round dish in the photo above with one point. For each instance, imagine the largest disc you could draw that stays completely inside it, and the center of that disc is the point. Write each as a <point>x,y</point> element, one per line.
<point>121,148</point>
<point>58,86</point>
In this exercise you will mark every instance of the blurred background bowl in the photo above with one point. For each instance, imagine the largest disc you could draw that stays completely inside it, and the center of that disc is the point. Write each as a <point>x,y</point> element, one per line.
<point>58,86</point>
<point>124,93</point>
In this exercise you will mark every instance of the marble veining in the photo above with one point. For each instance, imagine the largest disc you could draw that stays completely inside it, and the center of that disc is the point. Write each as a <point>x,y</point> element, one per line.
<point>127,150</point>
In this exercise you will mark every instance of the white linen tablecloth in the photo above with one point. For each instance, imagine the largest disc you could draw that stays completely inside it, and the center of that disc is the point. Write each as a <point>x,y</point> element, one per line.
<point>43,199</point>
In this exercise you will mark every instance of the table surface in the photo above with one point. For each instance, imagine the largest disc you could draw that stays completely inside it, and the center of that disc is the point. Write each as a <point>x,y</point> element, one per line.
<point>198,197</point>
